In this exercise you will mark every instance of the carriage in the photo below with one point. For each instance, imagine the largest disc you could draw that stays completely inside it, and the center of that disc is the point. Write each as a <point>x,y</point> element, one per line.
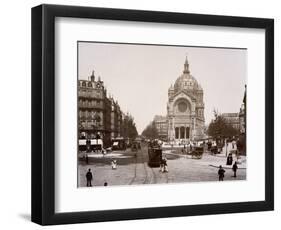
<point>134,146</point>
<point>119,143</point>
<point>197,152</point>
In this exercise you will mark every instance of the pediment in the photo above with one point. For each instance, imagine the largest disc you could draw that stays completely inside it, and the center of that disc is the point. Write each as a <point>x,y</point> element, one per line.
<point>183,93</point>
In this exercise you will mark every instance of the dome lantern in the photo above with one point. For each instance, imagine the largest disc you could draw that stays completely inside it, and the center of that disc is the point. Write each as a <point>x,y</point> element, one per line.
<point>186,67</point>
<point>186,81</point>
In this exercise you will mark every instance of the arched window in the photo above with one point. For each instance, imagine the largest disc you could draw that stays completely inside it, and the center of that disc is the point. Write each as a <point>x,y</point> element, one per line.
<point>97,118</point>
<point>83,84</point>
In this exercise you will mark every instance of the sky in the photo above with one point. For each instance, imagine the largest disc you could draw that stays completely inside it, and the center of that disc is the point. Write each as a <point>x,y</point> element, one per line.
<point>139,76</point>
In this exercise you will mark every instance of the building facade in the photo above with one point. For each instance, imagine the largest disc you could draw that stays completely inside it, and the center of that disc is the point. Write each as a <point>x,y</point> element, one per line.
<point>185,108</point>
<point>242,120</point>
<point>116,119</point>
<point>232,119</point>
<point>99,116</point>
<point>242,114</point>
<point>161,124</point>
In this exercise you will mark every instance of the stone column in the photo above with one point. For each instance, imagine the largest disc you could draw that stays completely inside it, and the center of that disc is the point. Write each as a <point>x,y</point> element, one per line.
<point>173,129</point>
<point>180,133</point>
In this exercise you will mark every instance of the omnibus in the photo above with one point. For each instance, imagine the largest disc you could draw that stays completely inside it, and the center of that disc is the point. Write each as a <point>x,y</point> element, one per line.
<point>119,143</point>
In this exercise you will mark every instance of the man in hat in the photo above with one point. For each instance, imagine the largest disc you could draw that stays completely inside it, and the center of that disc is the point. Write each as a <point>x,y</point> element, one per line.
<point>221,173</point>
<point>89,177</point>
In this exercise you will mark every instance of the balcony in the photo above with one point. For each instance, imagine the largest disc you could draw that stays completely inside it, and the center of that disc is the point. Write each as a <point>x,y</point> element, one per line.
<point>90,95</point>
<point>90,126</point>
<point>90,106</point>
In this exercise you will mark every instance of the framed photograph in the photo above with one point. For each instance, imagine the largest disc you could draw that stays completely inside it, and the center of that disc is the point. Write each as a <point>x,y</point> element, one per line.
<point>144,114</point>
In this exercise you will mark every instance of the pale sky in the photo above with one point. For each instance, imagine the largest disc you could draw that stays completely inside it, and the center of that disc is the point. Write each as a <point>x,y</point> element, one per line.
<point>139,76</point>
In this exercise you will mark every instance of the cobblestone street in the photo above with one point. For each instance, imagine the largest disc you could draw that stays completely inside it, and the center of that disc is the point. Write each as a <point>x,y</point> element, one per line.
<point>133,170</point>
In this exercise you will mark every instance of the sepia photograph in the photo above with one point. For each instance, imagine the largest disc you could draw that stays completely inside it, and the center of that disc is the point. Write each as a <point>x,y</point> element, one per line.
<point>143,114</point>
<point>158,114</point>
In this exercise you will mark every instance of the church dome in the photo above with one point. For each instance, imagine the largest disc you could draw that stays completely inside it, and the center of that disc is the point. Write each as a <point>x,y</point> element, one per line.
<point>186,81</point>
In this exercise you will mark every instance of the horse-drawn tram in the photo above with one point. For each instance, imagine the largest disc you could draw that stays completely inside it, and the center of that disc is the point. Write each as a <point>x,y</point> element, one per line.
<point>154,154</point>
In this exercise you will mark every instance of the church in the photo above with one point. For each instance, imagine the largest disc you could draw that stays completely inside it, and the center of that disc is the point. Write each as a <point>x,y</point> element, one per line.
<point>185,109</point>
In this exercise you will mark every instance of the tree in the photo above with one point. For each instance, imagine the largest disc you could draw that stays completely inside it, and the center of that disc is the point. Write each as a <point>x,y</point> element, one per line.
<point>128,129</point>
<point>150,131</point>
<point>220,128</point>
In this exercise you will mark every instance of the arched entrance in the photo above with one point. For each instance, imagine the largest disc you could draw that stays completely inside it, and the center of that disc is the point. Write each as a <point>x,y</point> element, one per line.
<point>187,130</point>
<point>182,133</point>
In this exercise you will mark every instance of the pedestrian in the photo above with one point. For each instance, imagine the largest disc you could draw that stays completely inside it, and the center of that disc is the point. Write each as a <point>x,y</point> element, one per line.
<point>233,143</point>
<point>165,165</point>
<point>114,164</point>
<point>234,168</point>
<point>88,145</point>
<point>103,151</point>
<point>89,177</point>
<point>87,159</point>
<point>161,165</point>
<point>221,173</point>
<point>229,159</point>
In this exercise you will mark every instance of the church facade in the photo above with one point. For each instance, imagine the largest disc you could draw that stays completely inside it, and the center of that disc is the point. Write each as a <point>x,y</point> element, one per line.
<point>185,108</point>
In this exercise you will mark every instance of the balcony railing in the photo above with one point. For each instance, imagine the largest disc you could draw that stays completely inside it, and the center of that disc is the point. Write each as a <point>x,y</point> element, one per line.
<point>90,126</point>
<point>90,106</point>
<point>90,95</point>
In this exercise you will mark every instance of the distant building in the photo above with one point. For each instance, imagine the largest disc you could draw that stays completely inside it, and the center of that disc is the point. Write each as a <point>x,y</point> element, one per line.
<point>242,123</point>
<point>185,108</point>
<point>232,119</point>
<point>161,125</point>
<point>116,119</point>
<point>98,115</point>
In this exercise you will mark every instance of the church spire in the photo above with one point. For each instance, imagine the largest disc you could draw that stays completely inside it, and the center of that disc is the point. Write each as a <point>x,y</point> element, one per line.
<point>93,76</point>
<point>186,66</point>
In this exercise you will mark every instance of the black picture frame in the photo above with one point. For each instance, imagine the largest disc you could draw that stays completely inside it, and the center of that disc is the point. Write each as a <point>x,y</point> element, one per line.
<point>43,113</point>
